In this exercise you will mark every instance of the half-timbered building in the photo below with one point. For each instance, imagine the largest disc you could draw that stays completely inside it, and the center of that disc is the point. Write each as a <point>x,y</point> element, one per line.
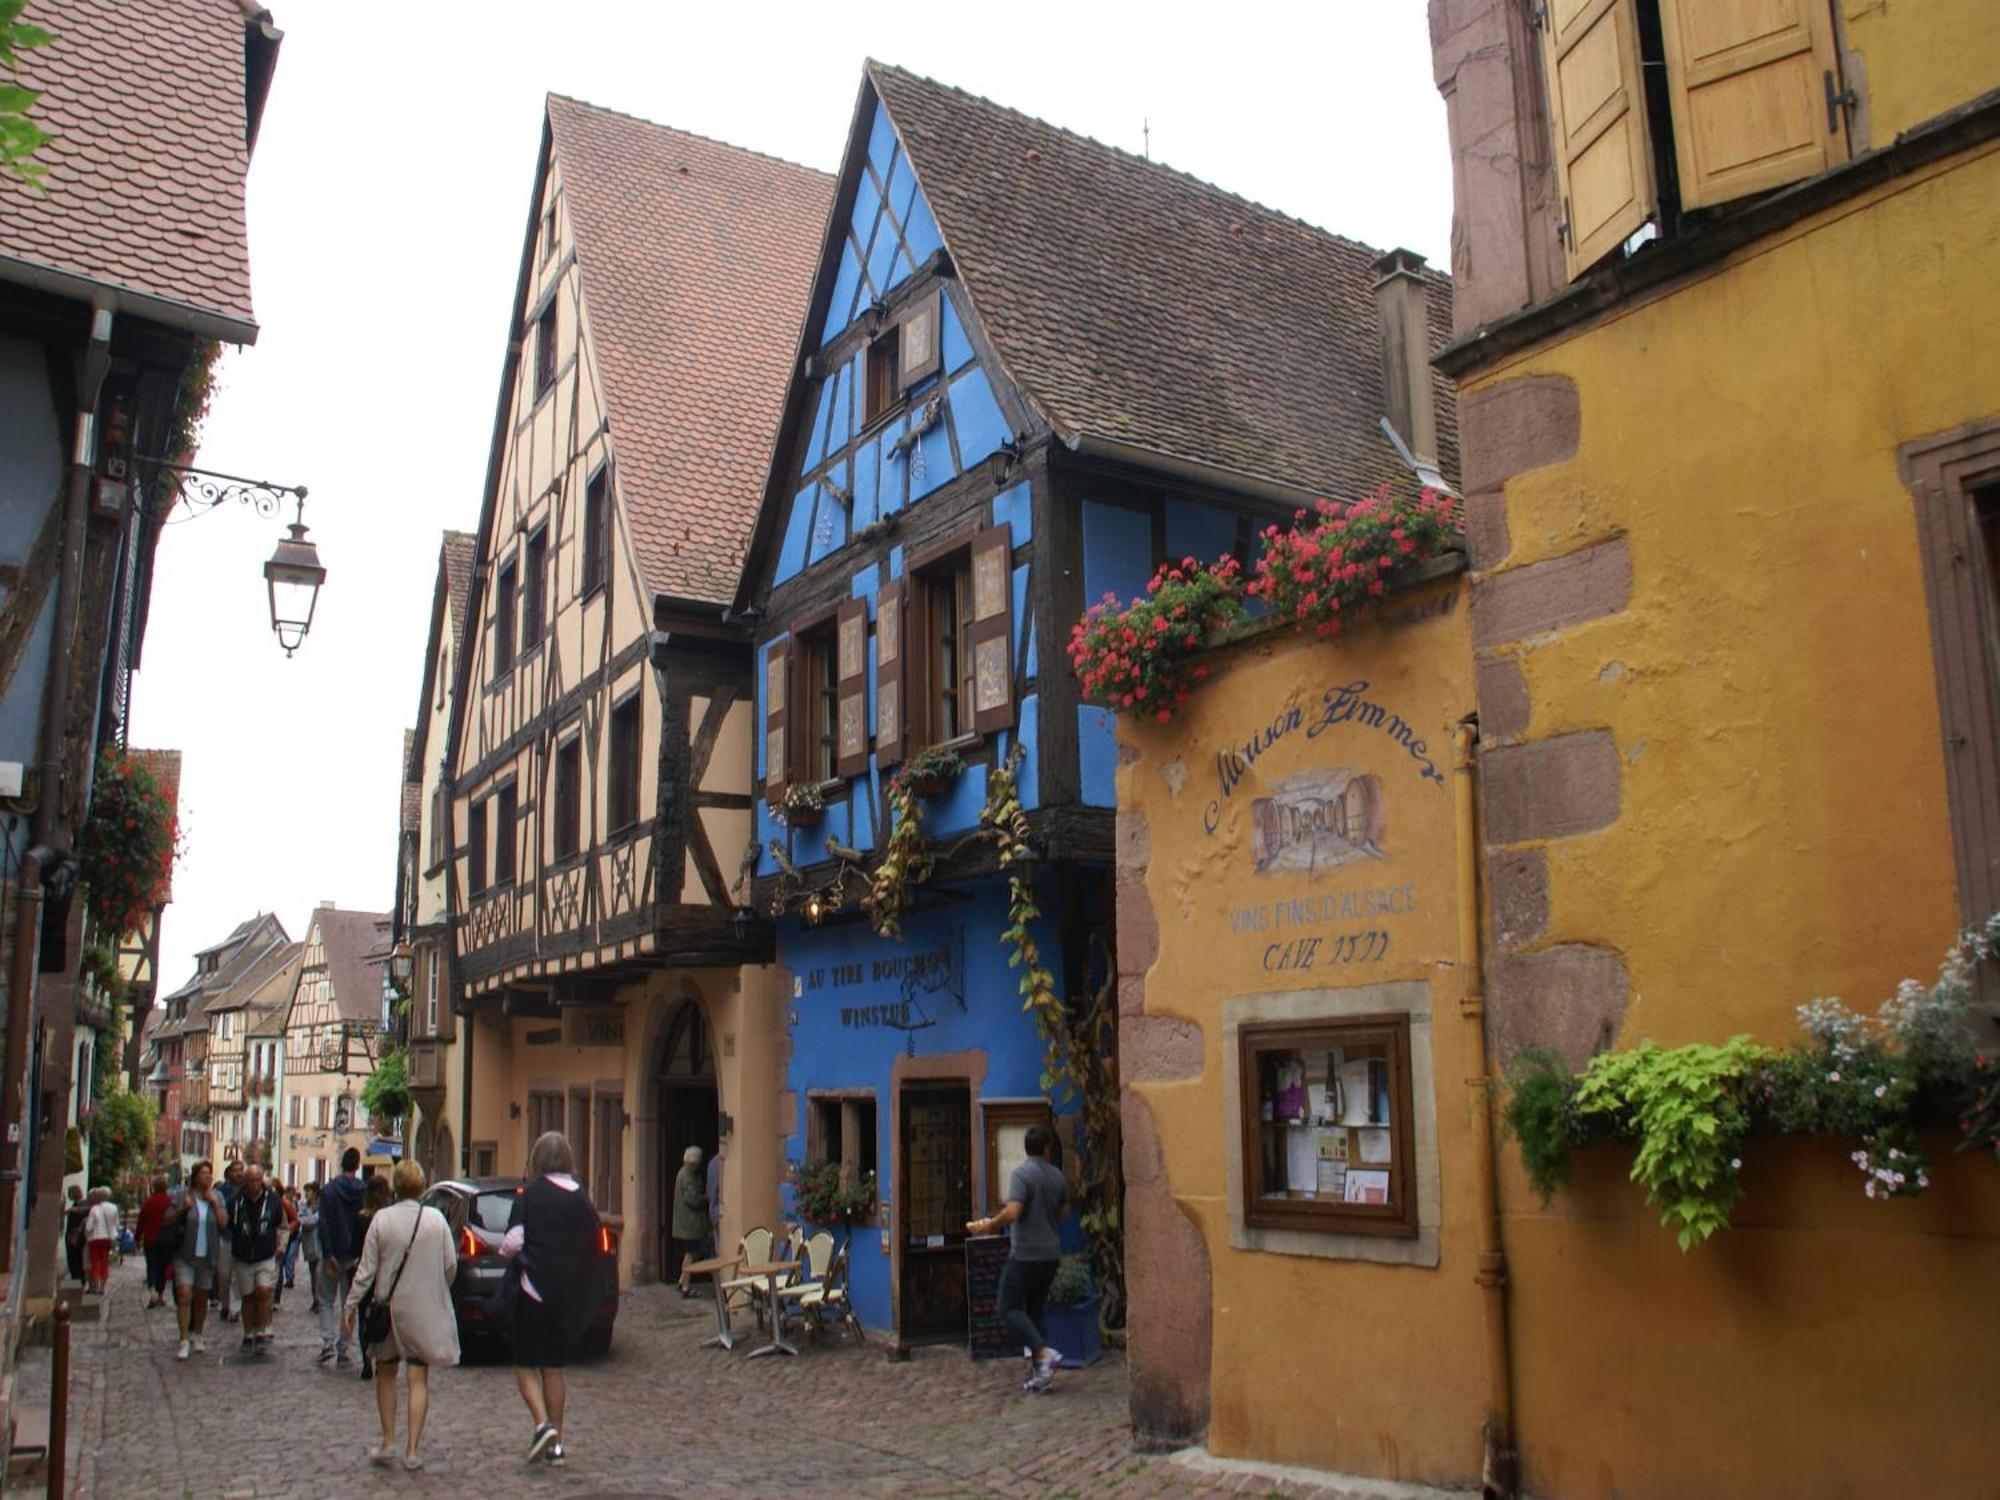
<point>178,1075</point>
<point>1033,368</point>
<point>334,1035</point>
<point>422,915</point>
<point>601,723</point>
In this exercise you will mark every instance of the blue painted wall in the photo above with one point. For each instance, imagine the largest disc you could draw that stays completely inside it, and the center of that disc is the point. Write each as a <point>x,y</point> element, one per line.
<point>848,1025</point>
<point>31,466</point>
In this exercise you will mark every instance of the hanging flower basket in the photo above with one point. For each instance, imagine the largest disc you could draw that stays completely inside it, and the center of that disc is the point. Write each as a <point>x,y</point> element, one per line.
<point>933,773</point>
<point>127,847</point>
<point>804,806</point>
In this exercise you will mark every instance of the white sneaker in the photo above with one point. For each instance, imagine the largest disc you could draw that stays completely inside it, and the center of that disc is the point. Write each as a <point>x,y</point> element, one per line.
<point>200,1344</point>
<point>182,1352</point>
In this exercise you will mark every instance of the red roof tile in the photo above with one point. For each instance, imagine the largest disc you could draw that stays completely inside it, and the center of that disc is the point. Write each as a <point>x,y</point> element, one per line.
<point>145,172</point>
<point>696,260</point>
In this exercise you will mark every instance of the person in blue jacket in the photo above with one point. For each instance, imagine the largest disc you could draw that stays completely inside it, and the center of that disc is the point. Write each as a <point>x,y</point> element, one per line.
<point>339,1253</point>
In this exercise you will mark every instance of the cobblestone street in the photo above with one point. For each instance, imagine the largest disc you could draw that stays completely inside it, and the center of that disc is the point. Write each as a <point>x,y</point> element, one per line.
<point>659,1417</point>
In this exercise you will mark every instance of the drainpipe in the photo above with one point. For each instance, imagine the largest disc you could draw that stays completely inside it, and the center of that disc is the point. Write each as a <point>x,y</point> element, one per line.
<point>1500,1461</point>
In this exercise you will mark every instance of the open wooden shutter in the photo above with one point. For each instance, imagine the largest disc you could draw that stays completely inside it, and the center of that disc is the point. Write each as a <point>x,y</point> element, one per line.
<point>918,354</point>
<point>1597,114</point>
<point>1754,94</point>
<point>777,689</point>
<point>850,644</point>
<point>992,629</point>
<point>891,702</point>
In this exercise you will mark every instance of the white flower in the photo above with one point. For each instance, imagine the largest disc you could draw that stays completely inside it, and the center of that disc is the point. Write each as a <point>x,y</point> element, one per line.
<point>1923,1181</point>
<point>1735,1163</point>
<point>1833,1077</point>
<point>1881,1089</point>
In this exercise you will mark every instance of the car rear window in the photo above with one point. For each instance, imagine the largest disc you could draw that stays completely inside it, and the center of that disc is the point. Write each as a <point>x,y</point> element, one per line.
<point>493,1209</point>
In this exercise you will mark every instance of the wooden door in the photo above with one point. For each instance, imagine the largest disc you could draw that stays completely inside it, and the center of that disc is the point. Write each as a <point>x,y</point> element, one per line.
<point>936,1197</point>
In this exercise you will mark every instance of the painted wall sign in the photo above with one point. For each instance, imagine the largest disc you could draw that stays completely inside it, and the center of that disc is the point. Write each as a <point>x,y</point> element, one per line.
<point>1317,820</point>
<point>593,1028</point>
<point>1346,704</point>
<point>937,972</point>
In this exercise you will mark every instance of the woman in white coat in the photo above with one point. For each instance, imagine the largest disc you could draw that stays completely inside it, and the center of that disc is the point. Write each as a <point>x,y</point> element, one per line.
<point>409,1258</point>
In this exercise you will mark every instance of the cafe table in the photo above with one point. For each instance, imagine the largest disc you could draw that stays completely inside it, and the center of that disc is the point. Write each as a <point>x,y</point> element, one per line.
<point>769,1272</point>
<point>725,1337</point>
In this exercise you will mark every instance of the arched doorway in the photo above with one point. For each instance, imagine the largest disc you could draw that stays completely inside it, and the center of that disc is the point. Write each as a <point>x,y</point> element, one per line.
<point>688,1104</point>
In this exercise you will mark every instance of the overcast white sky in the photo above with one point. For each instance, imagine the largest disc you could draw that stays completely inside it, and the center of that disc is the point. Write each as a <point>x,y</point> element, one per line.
<point>387,203</point>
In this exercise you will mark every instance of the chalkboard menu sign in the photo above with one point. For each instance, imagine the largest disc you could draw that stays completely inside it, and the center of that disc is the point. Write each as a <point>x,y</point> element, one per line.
<point>986,1336</point>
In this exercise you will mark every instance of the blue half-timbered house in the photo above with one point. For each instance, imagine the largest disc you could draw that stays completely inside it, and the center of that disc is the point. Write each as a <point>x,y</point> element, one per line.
<point>1032,368</point>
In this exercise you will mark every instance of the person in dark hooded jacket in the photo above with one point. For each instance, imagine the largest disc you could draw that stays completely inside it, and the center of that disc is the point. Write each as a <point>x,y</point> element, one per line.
<point>339,1252</point>
<point>552,1240</point>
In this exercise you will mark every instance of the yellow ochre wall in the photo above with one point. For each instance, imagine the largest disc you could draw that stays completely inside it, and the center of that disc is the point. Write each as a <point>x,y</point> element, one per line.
<point>1341,1364</point>
<point>1783,833</point>
<point>741,1010</point>
<point>1910,62</point>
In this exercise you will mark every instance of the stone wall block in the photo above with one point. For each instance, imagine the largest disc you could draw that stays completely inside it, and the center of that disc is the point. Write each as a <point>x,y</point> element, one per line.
<point>1515,426</point>
<point>1543,596</point>
<point>1519,882</point>
<point>1138,928</point>
<point>1158,1048</point>
<point>1169,1308</point>
<point>1504,707</point>
<point>1551,789</point>
<point>1569,1000</point>
<point>1487,537</point>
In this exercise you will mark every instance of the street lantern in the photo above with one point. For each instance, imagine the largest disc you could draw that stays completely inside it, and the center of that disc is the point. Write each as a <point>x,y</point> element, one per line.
<point>402,965</point>
<point>294,575</point>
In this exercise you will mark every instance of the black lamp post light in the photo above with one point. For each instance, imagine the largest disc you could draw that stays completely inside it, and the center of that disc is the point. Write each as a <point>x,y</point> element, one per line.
<point>294,574</point>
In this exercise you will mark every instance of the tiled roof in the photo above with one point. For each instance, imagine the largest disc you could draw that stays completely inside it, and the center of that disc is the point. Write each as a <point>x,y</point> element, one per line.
<point>1134,303</point>
<point>355,943</point>
<point>696,260</point>
<point>413,787</point>
<point>270,1002</point>
<point>165,768</point>
<point>145,171</point>
<point>459,555</point>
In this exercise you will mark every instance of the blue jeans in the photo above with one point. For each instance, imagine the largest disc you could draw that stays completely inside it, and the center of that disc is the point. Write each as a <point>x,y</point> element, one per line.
<point>291,1260</point>
<point>1024,1292</point>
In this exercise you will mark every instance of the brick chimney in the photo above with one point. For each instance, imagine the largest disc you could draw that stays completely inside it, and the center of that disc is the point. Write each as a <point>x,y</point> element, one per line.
<point>1402,311</point>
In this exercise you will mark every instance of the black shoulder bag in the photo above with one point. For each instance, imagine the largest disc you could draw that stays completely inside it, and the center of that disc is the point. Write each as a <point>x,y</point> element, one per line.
<point>375,1320</point>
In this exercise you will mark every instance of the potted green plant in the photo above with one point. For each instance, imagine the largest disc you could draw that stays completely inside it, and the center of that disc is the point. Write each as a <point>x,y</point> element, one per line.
<point>1070,1318</point>
<point>804,805</point>
<point>931,772</point>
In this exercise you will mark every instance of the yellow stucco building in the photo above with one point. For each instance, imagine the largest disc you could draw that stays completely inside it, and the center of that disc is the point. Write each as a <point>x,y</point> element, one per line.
<point>1730,434</point>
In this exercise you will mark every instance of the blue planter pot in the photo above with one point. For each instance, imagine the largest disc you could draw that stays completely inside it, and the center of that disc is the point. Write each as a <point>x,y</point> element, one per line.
<point>1072,1328</point>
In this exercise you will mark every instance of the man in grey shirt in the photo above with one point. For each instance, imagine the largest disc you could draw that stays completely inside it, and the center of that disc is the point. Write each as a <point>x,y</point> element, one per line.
<point>1037,1199</point>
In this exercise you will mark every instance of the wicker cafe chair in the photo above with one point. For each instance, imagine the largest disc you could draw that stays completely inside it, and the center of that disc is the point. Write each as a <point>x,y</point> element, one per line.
<point>830,1301</point>
<point>754,1249</point>
<point>810,1279</point>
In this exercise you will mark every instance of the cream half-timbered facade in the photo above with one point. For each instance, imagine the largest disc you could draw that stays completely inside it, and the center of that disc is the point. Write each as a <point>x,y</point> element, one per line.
<point>600,761</point>
<point>333,1035</point>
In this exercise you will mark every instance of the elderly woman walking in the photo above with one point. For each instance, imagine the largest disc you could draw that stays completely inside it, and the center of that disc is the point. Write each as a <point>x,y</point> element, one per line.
<point>691,1223</point>
<point>552,1241</point>
<point>408,1259</point>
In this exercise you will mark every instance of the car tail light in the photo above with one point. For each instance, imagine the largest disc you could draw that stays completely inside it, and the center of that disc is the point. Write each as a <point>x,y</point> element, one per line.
<point>607,1241</point>
<point>468,1244</point>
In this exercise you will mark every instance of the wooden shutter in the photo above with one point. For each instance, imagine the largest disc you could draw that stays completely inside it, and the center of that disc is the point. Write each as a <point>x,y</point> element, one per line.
<point>892,626</point>
<point>1753,85</point>
<point>919,354</point>
<point>777,690</point>
<point>850,729</point>
<point>992,629</point>
<point>1597,114</point>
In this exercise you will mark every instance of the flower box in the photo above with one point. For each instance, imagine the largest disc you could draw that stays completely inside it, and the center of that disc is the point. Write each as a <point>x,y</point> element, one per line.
<point>1072,1331</point>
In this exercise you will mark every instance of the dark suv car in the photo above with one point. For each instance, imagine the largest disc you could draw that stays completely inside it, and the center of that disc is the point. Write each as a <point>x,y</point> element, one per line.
<point>477,1209</point>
